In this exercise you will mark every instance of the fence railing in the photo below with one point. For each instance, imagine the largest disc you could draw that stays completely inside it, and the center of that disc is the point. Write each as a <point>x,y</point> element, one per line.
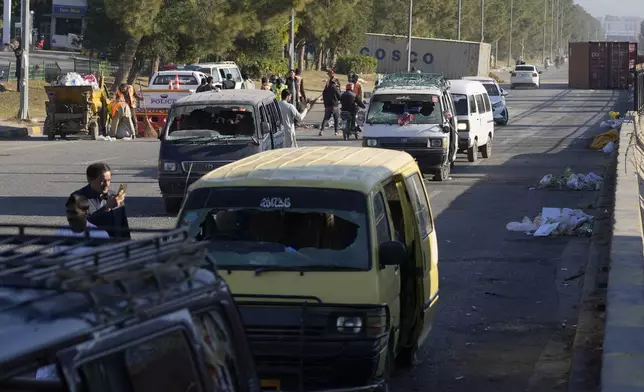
<point>639,89</point>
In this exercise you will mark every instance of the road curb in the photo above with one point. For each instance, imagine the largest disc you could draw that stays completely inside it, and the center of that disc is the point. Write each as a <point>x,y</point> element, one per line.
<point>19,132</point>
<point>623,351</point>
<point>585,365</point>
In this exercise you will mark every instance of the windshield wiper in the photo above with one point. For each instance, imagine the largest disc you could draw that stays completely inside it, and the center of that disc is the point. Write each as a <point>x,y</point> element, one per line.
<point>302,268</point>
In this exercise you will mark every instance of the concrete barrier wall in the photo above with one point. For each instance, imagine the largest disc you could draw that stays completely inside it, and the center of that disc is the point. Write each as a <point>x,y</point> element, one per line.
<point>623,350</point>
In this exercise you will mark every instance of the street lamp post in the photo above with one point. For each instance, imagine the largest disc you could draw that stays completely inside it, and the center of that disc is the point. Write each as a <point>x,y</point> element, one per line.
<point>511,28</point>
<point>291,45</point>
<point>411,14</point>
<point>482,20</point>
<point>545,24</point>
<point>23,112</point>
<point>459,12</point>
<point>552,28</point>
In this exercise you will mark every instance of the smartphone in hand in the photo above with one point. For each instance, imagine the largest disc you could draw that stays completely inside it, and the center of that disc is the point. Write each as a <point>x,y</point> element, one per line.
<point>122,190</point>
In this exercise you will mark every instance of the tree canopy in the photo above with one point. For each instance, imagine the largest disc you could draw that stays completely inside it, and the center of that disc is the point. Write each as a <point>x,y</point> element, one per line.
<point>185,31</point>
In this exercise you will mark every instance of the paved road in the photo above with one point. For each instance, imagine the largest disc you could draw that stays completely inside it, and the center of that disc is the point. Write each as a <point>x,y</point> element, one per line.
<point>506,315</point>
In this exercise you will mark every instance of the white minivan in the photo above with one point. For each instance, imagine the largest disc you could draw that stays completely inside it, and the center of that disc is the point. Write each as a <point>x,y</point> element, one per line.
<point>475,118</point>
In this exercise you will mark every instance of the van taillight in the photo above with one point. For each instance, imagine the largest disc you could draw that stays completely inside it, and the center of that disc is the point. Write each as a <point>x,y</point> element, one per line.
<point>514,74</point>
<point>534,75</point>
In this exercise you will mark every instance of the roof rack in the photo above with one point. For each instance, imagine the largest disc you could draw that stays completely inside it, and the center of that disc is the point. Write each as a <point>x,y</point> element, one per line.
<point>413,80</point>
<point>109,274</point>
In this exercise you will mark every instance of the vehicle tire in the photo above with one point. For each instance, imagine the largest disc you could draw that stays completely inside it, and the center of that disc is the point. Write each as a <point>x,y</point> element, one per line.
<point>408,357</point>
<point>443,173</point>
<point>172,205</point>
<point>486,150</point>
<point>473,152</point>
<point>93,130</point>
<point>504,121</point>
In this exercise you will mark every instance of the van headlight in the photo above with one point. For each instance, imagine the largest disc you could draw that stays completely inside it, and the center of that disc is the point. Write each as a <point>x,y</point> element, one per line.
<point>349,324</point>
<point>167,166</point>
<point>435,143</point>
<point>371,142</point>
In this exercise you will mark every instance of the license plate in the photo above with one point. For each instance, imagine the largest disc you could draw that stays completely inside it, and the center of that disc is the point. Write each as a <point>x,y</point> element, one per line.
<point>270,385</point>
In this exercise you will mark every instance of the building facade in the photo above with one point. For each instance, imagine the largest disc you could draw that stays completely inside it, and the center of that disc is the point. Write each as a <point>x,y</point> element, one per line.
<point>67,24</point>
<point>621,28</point>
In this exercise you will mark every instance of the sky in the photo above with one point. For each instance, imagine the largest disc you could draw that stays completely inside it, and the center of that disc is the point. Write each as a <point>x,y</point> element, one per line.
<point>600,8</point>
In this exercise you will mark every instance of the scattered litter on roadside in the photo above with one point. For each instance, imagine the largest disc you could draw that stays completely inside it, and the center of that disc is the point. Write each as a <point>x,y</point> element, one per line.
<point>609,147</point>
<point>570,180</point>
<point>600,141</point>
<point>105,138</point>
<point>555,222</point>
<point>615,121</point>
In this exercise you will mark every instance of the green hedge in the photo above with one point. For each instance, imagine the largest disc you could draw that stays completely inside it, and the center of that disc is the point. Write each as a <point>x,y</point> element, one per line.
<point>356,63</point>
<point>257,67</point>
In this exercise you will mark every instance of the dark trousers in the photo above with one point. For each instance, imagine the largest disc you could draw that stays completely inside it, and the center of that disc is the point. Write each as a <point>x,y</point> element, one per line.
<point>328,113</point>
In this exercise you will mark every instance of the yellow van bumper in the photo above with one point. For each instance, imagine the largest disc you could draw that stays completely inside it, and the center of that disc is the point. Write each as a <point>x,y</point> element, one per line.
<point>302,343</point>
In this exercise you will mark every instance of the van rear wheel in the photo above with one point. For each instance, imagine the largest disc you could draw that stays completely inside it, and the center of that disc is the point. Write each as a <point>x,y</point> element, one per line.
<point>473,152</point>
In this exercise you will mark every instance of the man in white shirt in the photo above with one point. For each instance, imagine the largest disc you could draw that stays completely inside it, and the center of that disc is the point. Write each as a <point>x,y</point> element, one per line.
<point>77,211</point>
<point>289,116</point>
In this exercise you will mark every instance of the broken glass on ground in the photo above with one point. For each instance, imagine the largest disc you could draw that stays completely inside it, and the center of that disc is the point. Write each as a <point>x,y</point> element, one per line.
<point>555,222</point>
<point>572,181</point>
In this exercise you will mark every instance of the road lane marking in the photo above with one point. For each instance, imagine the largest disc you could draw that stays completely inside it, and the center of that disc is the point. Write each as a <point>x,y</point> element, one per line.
<point>39,145</point>
<point>101,160</point>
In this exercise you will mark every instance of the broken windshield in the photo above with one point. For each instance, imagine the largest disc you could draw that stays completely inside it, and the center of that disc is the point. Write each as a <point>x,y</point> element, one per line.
<point>211,122</point>
<point>250,228</point>
<point>387,108</point>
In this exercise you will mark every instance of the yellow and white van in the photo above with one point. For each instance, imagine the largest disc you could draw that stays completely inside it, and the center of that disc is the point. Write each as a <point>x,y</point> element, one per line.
<point>332,258</point>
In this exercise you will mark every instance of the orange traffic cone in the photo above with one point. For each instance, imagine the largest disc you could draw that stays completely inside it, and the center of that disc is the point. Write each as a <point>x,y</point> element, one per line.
<point>176,82</point>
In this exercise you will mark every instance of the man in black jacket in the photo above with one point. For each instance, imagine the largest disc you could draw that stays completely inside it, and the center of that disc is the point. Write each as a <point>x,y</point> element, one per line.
<point>229,83</point>
<point>350,102</point>
<point>331,97</point>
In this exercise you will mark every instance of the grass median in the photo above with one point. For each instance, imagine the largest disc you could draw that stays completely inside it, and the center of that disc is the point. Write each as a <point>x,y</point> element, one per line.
<point>10,100</point>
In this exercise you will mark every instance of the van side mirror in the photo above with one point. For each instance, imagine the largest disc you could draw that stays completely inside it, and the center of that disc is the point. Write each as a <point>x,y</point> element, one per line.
<point>504,93</point>
<point>392,253</point>
<point>265,128</point>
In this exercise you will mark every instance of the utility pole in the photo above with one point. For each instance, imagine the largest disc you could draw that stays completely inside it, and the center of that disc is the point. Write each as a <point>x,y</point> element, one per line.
<point>552,28</point>
<point>522,46</point>
<point>458,19</point>
<point>23,113</point>
<point>291,44</point>
<point>545,24</point>
<point>557,28</point>
<point>6,23</point>
<point>496,53</point>
<point>411,15</point>
<point>482,20</point>
<point>511,30</point>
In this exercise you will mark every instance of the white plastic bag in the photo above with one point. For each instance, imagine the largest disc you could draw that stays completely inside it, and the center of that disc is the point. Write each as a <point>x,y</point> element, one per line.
<point>525,225</point>
<point>609,147</point>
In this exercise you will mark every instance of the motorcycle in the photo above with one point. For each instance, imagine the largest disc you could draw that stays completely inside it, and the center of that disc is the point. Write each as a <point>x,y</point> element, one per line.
<point>349,125</point>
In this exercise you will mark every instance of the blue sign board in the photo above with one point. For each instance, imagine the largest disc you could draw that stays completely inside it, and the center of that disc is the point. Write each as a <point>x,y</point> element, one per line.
<point>71,10</point>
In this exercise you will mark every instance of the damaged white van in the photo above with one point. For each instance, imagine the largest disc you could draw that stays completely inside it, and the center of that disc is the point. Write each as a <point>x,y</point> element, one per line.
<point>414,113</point>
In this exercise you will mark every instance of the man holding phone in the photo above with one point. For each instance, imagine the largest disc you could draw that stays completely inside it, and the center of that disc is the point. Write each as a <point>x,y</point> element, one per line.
<point>106,207</point>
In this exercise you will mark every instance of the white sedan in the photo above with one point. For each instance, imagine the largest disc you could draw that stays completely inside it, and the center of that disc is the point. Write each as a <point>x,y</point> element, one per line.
<point>525,75</point>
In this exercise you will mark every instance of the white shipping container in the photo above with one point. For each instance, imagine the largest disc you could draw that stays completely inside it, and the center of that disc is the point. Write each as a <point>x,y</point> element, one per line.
<point>454,59</point>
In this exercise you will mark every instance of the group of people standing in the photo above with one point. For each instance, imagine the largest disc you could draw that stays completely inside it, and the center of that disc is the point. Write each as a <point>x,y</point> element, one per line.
<point>341,105</point>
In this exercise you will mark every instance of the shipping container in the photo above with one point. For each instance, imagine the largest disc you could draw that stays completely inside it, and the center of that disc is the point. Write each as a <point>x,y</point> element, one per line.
<point>601,65</point>
<point>454,59</point>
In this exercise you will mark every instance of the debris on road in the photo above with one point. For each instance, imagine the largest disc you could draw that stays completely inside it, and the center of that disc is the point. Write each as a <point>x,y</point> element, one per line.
<point>75,79</point>
<point>600,141</point>
<point>615,121</point>
<point>570,180</point>
<point>555,222</point>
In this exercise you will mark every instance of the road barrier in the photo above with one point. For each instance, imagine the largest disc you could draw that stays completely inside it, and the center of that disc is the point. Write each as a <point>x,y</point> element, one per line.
<point>639,89</point>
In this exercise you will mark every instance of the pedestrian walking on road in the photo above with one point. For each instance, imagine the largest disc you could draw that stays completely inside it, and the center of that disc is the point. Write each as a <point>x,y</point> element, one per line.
<point>248,83</point>
<point>300,89</point>
<point>229,83</point>
<point>106,207</point>
<point>290,115</point>
<point>331,98</point>
<point>266,86</point>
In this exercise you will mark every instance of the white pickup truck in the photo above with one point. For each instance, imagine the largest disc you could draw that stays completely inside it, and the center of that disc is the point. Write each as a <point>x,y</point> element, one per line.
<point>164,89</point>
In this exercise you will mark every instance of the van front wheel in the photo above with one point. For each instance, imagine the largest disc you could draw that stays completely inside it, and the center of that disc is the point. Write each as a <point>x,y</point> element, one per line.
<point>473,152</point>
<point>408,357</point>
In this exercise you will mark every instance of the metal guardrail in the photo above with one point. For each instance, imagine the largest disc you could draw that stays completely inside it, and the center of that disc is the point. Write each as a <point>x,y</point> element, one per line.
<point>639,89</point>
